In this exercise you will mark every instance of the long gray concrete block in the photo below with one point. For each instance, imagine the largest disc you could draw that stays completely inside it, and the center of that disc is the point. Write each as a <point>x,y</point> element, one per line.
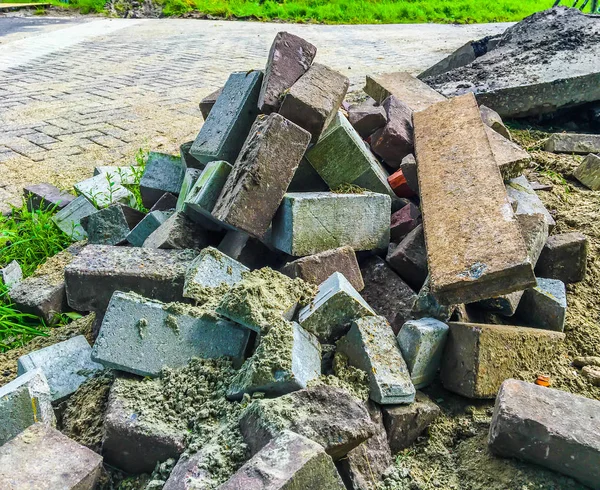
<point>581,144</point>
<point>410,90</point>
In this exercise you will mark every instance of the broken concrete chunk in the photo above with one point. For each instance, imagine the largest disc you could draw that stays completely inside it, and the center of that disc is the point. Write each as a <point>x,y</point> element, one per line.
<point>409,258</point>
<point>478,358</point>
<point>11,275</point>
<point>141,336</point>
<point>410,90</point>
<point>422,345</point>
<point>493,120</point>
<point>464,266</point>
<point>367,117</point>
<point>46,196</point>
<point>163,173</point>
<point>564,257</point>
<point>581,144</point>
<point>371,346</point>
<point>548,427</point>
<point>69,218</point>
<point>289,58</point>
<point>588,173</point>
<point>207,103</point>
<point>313,101</point>
<point>395,140</point>
<point>226,127</point>
<point>404,221</point>
<point>510,157</point>
<point>137,236</point>
<point>527,200</point>
<point>545,305</point>
<point>289,461</point>
<point>408,166</point>
<point>273,150</point>
<point>42,458</point>
<point>23,402</point>
<point>111,225</point>
<point>178,232</point>
<point>105,189</point>
<point>189,179</point>
<point>167,202</point>
<point>336,304</point>
<point>66,365</point>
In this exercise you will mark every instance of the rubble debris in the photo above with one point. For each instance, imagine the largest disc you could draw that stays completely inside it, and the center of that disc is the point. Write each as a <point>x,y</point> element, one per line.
<point>493,120</point>
<point>250,251</point>
<point>409,258</point>
<point>167,202</point>
<point>545,305</point>
<point>581,144</point>
<point>592,373</point>
<point>395,140</point>
<point>527,201</point>
<point>68,219</point>
<point>11,274</point>
<point>163,173</point>
<point>408,166</point>
<point>588,173</point>
<point>399,184</point>
<point>125,175</point>
<point>403,86</point>
<point>548,427</point>
<point>404,221</point>
<point>186,157</point>
<point>307,179</point>
<point>207,103</point>
<point>46,196</point>
<point>564,257</point>
<point>111,225</point>
<point>104,190</point>
<point>177,232</point>
<point>367,117</point>
<point>189,179</point>
<point>150,223</point>
<point>510,157</point>
<point>428,305</point>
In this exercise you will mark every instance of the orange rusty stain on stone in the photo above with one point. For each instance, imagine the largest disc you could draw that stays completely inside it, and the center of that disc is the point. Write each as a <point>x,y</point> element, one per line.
<point>399,185</point>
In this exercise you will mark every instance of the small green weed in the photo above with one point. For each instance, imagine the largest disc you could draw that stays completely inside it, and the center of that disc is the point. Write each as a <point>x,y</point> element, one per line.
<point>16,328</point>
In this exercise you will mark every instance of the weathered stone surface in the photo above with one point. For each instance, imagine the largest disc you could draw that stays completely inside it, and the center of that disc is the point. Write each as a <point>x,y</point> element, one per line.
<point>207,103</point>
<point>564,257</point>
<point>289,58</point>
<point>137,236</point>
<point>410,90</point>
<point>105,189</point>
<point>399,184</point>
<point>588,173</point>
<point>187,158</point>
<point>404,423</point>
<point>328,415</point>
<point>395,140</point>
<point>404,221</point>
<point>545,305</point>
<point>141,336</point>
<point>273,150</point>
<point>69,218</point>
<point>478,358</point>
<point>167,202</point>
<point>226,127</point>
<point>367,117</point>
<point>313,101</point>
<point>476,251</point>
<point>178,232</point>
<point>527,201</point>
<point>156,274</point>
<point>307,179</point>
<point>510,157</point>
<point>11,275</point>
<point>493,120</point>
<point>124,174</point>
<point>111,225</point>
<point>409,170</point>
<point>386,292</point>
<point>548,427</point>
<point>336,304</point>
<point>23,402</point>
<point>422,345</point>
<point>573,143</point>
<point>66,365</point>
<point>409,258</point>
<point>46,196</point>
<point>371,346</point>
<point>288,462</point>
<point>428,305</point>
<point>42,458</point>
<point>189,179</point>
<point>163,173</point>
<point>317,268</point>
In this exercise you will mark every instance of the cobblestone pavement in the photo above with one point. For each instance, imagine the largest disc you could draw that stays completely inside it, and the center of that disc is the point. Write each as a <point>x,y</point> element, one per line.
<point>93,92</point>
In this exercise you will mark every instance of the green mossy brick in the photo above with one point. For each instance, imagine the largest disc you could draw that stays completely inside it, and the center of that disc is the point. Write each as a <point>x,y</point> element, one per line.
<point>69,218</point>
<point>111,226</point>
<point>163,173</point>
<point>189,179</point>
<point>147,226</point>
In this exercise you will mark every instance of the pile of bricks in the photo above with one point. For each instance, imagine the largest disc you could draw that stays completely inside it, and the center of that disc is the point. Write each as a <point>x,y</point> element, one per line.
<point>408,214</point>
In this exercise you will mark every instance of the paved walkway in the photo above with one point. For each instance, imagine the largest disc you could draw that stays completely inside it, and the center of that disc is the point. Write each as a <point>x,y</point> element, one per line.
<point>92,91</point>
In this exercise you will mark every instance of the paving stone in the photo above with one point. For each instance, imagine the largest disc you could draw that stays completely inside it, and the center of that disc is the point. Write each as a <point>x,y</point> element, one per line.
<point>328,415</point>
<point>189,179</point>
<point>289,58</point>
<point>405,423</point>
<point>69,218</point>
<point>137,236</point>
<point>23,402</point>
<point>66,365</point>
<point>289,461</point>
<point>428,305</point>
<point>386,292</point>
<point>158,274</point>
<point>422,345</point>
<point>564,257</point>
<point>251,252</point>
<point>464,266</point>
<point>123,174</point>
<point>273,150</point>
<point>478,357</point>
<point>103,190</point>
<point>11,274</point>
<point>167,202</point>
<point>527,200</point>
<point>312,222</point>
<point>404,221</point>
<point>336,304</point>
<point>371,346</point>
<point>178,232</point>
<point>409,171</point>
<point>510,157</point>
<point>545,305</point>
<point>493,120</point>
<point>395,140</point>
<point>111,225</point>
<point>410,90</point>
<point>313,101</point>
<point>399,184</point>
<point>367,117</point>
<point>187,158</point>
<point>588,173</point>
<point>307,179</point>
<point>228,123</point>
<point>409,258</point>
<point>552,428</point>
<point>141,336</point>
<point>163,173</point>
<point>42,458</point>
<point>46,196</point>
<point>208,102</point>
<point>317,268</point>
<point>342,157</point>
<point>581,144</point>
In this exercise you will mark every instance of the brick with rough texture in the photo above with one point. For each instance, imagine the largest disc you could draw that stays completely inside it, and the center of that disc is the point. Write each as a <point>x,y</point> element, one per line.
<point>404,221</point>
<point>163,173</point>
<point>69,218</point>
<point>544,306</point>
<point>573,143</point>
<point>111,225</point>
<point>367,117</point>
<point>137,236</point>
<point>395,140</point>
<point>564,257</point>
<point>410,90</point>
<point>588,173</point>
<point>409,258</point>
<point>46,196</point>
<point>178,232</point>
<point>399,184</point>
<point>167,202</point>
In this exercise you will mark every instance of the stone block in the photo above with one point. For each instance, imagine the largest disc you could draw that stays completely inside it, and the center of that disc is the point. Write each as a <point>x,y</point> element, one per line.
<point>289,58</point>
<point>405,423</point>
<point>123,174</point>
<point>187,158</point>
<point>395,140</point>
<point>307,179</point>
<point>208,102</point>
<point>249,251</point>
<point>580,144</point>
<point>167,202</point>
<point>409,258</point>
<point>23,402</point>
<point>428,305</point>
<point>510,157</point>
<point>228,123</point>
<point>66,365</point>
<point>317,268</point>
<point>157,274</point>
<point>527,201</point>
<point>386,292</point>
<point>163,173</point>
<point>46,196</point>
<point>11,275</point>
<point>105,189</point>
<point>410,90</point>
<point>588,173</point>
<point>493,120</point>
<point>189,179</point>
<point>336,304</point>
<point>545,306</point>
<point>549,427</point>
<point>313,101</point>
<point>399,184</point>
<point>367,117</point>
<point>342,157</point>
<point>178,232</point>
<point>409,171</point>
<point>404,221</point>
<point>476,251</point>
<point>69,218</point>
<point>422,345</point>
<point>371,346</point>
<point>478,357</point>
<point>42,458</point>
<point>289,461</point>
<point>311,222</point>
<point>151,222</point>
<point>273,150</point>
<point>564,257</point>
<point>141,336</point>
<point>111,225</point>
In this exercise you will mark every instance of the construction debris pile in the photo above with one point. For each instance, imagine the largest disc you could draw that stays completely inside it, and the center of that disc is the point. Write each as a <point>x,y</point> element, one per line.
<point>305,267</point>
